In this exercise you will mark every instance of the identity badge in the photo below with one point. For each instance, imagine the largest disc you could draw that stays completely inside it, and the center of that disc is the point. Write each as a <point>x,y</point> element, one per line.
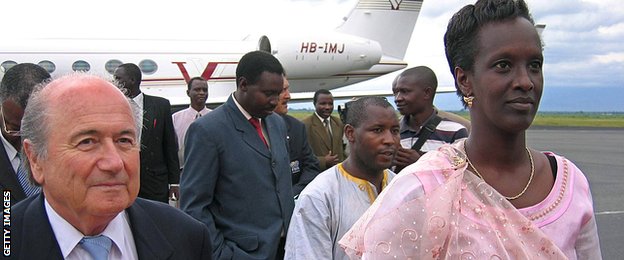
<point>294,167</point>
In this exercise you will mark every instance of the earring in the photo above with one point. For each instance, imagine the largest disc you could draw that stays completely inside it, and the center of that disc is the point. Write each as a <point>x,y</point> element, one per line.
<point>468,100</point>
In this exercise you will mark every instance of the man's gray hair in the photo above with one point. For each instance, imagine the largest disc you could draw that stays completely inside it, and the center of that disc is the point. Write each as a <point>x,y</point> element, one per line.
<point>35,122</point>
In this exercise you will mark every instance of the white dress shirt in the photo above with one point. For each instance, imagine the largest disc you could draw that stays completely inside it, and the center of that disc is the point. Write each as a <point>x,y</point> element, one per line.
<point>181,122</point>
<point>139,101</point>
<point>11,153</point>
<point>68,237</point>
<point>248,116</point>
<point>323,121</point>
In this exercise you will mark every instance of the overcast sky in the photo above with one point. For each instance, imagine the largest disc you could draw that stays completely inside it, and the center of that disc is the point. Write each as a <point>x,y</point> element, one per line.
<point>584,39</point>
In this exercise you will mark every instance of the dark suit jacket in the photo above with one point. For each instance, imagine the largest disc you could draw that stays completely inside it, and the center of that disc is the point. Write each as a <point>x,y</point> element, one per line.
<point>234,184</point>
<point>8,178</point>
<point>159,150</point>
<point>303,163</point>
<point>160,232</point>
<point>319,140</point>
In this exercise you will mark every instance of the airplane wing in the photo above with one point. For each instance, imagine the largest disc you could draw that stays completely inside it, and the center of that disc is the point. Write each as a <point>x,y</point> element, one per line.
<point>348,94</point>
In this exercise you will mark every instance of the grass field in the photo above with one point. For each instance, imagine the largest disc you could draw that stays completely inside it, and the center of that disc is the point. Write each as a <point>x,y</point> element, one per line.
<point>578,119</point>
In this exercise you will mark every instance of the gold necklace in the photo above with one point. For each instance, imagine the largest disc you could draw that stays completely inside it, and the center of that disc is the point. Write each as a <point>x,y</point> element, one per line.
<point>525,187</point>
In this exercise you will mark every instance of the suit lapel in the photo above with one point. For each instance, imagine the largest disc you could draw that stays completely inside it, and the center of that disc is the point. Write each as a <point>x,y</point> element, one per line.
<point>148,117</point>
<point>150,242</point>
<point>247,131</point>
<point>37,228</point>
<point>336,137</point>
<point>8,177</point>
<point>319,128</point>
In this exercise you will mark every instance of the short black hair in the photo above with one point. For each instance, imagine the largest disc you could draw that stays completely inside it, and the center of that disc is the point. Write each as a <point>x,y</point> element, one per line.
<point>319,92</point>
<point>425,75</point>
<point>133,71</point>
<point>190,83</point>
<point>20,80</point>
<point>357,109</point>
<point>460,39</point>
<point>252,64</point>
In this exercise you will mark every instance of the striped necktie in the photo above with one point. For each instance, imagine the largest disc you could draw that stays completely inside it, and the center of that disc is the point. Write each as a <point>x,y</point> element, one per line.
<point>328,128</point>
<point>256,124</point>
<point>28,187</point>
<point>97,246</point>
<point>140,110</point>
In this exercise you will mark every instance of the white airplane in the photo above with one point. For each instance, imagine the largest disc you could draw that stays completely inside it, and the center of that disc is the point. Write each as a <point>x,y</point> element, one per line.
<point>371,42</point>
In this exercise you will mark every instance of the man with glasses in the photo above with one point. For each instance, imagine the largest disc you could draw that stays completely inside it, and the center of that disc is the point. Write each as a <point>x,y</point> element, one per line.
<point>17,84</point>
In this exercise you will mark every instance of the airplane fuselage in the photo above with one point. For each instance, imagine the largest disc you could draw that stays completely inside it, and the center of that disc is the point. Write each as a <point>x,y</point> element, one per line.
<point>371,42</point>
<point>311,63</point>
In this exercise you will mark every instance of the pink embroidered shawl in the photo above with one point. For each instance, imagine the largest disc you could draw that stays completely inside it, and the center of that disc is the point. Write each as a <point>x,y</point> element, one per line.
<point>453,214</point>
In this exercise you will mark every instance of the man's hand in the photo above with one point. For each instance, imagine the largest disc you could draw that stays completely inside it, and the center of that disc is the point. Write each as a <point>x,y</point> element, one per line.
<point>405,157</point>
<point>331,160</point>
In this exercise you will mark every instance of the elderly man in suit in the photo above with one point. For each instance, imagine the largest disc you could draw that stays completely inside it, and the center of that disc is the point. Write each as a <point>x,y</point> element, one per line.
<point>303,163</point>
<point>236,176</point>
<point>84,152</point>
<point>160,167</point>
<point>17,84</point>
<point>325,131</point>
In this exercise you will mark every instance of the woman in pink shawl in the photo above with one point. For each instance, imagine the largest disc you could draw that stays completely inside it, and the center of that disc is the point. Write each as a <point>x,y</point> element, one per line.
<point>490,197</point>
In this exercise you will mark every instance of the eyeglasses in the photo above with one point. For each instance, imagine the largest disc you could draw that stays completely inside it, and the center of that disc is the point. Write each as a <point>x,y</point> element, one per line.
<point>4,126</point>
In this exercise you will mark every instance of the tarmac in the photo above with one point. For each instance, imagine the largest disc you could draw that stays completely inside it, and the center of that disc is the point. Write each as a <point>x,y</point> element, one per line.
<point>599,153</point>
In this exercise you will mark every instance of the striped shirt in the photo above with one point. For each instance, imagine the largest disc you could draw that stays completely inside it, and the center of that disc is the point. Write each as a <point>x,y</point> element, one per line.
<point>446,132</point>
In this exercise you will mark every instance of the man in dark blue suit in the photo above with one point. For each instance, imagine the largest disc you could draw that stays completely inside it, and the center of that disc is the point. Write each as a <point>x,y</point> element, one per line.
<point>160,166</point>
<point>17,84</point>
<point>83,150</point>
<point>303,163</point>
<point>236,176</point>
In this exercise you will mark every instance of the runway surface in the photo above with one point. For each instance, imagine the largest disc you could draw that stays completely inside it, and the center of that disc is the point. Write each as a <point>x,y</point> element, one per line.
<point>599,153</point>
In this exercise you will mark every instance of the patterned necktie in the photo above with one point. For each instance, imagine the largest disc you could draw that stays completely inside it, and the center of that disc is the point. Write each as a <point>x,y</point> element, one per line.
<point>22,175</point>
<point>256,123</point>
<point>97,246</point>
<point>328,128</point>
<point>198,115</point>
<point>139,110</point>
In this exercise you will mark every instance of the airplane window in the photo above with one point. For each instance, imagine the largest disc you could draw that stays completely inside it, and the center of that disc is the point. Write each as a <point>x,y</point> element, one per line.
<point>47,65</point>
<point>148,66</point>
<point>81,65</point>
<point>112,65</point>
<point>6,65</point>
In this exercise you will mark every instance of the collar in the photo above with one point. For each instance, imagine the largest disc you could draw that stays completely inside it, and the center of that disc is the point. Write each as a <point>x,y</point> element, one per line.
<point>241,109</point>
<point>404,122</point>
<point>68,236</point>
<point>8,147</point>
<point>321,119</point>
<point>365,185</point>
<point>139,99</point>
<point>202,112</point>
